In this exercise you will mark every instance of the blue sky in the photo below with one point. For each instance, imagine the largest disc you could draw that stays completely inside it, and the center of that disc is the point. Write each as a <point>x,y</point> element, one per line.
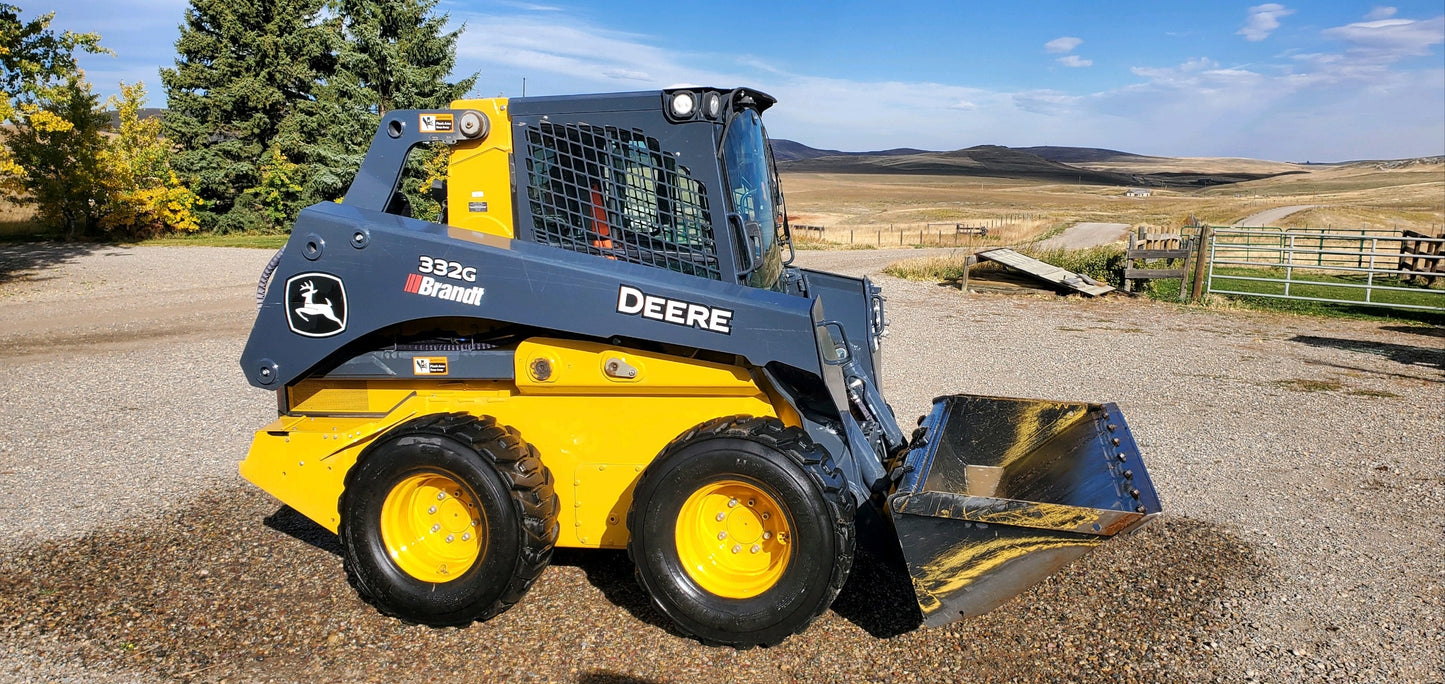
<point>1318,81</point>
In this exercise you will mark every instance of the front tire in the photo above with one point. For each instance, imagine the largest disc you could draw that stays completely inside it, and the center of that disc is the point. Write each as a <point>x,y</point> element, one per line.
<point>742,531</point>
<point>447,519</point>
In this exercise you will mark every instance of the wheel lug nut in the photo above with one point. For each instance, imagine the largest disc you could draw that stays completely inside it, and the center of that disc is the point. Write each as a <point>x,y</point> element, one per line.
<point>466,536</point>
<point>441,495</point>
<point>451,538</point>
<point>767,536</point>
<point>732,503</point>
<point>432,510</point>
<point>721,517</point>
<point>436,528</point>
<point>722,535</point>
<point>737,548</point>
<point>756,548</point>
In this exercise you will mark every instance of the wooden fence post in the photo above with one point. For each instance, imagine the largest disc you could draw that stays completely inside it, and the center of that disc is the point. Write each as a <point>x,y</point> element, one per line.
<point>1196,287</point>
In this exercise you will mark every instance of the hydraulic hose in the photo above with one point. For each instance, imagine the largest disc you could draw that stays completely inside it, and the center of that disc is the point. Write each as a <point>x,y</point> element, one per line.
<point>266,277</point>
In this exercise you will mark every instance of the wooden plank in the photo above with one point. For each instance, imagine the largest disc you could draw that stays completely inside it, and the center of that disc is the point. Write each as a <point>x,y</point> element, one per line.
<point>1153,273</point>
<point>1156,253</point>
<point>1046,272</point>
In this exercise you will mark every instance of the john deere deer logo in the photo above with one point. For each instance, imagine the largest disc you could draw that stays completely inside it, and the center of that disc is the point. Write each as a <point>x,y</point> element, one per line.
<point>315,304</point>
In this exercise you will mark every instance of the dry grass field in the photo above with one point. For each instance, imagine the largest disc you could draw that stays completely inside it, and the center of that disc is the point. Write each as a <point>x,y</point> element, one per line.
<point>889,210</point>
<point>16,220</point>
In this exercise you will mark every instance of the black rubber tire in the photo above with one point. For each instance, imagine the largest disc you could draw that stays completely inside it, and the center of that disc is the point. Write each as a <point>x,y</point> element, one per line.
<point>783,461</point>
<point>503,474</point>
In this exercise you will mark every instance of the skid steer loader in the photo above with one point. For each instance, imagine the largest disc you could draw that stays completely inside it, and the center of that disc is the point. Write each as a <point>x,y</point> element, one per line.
<point>603,344</point>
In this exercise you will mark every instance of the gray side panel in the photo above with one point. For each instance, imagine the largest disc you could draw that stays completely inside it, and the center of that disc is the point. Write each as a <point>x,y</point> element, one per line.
<point>492,364</point>
<point>376,255</point>
<point>845,300</point>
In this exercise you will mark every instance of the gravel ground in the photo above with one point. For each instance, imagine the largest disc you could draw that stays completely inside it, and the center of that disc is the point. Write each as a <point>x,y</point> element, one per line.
<point>1298,460</point>
<point>1085,235</point>
<point>1269,216</point>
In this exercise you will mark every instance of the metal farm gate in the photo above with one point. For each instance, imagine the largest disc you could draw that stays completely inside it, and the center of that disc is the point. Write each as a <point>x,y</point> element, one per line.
<point>1394,270</point>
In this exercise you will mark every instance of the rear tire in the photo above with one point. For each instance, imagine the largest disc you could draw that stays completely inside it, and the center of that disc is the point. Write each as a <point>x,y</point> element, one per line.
<point>447,519</point>
<point>742,531</point>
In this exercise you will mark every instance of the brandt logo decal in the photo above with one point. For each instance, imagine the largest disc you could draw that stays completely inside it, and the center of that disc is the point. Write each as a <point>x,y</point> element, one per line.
<point>428,286</point>
<point>315,304</point>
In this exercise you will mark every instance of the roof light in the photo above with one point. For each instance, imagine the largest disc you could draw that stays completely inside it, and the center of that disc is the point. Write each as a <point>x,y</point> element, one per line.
<point>683,104</point>
<point>712,105</point>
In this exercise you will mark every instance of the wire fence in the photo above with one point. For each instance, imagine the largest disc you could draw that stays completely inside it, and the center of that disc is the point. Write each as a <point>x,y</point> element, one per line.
<point>959,233</point>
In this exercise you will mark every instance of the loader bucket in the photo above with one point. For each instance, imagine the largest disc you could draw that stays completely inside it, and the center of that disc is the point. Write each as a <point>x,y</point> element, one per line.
<point>996,494</point>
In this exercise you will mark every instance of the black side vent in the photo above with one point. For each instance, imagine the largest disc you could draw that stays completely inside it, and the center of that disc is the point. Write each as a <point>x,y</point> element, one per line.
<point>614,193</point>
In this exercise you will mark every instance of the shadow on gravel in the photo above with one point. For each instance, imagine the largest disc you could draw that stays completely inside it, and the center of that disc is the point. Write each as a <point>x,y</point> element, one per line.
<point>287,521</point>
<point>610,677</point>
<point>1426,330</point>
<point>1409,355</point>
<point>33,262</point>
<point>878,597</point>
<point>611,572</point>
<point>222,589</point>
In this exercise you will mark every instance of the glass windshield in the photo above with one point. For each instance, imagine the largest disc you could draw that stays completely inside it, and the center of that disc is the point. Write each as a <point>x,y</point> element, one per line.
<point>754,195</point>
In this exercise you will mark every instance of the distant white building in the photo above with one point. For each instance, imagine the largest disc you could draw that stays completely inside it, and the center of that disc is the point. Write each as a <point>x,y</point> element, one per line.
<point>1137,192</point>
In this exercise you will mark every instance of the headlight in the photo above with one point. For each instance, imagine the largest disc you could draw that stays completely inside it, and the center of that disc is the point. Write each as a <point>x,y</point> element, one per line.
<point>712,106</point>
<point>684,104</point>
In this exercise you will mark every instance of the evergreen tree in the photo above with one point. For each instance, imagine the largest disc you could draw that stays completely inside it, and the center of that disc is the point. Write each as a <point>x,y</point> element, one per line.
<point>394,54</point>
<point>398,53</point>
<point>246,70</point>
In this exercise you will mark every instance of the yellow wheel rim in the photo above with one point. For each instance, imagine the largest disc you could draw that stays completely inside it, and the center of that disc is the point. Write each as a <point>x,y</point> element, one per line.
<point>733,539</point>
<point>432,528</point>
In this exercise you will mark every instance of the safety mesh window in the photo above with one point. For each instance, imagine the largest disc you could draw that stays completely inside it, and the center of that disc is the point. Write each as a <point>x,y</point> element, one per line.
<point>614,193</point>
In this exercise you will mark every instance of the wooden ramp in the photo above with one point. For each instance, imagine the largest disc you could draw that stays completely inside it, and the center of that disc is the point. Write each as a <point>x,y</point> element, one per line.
<point>1046,272</point>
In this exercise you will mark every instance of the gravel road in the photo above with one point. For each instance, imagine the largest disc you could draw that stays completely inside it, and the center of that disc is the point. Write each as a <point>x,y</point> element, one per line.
<point>1298,460</point>
<point>1269,216</point>
<point>1085,235</point>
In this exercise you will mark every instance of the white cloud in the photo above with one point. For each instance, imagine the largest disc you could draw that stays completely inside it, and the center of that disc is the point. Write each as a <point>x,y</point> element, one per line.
<point>963,106</point>
<point>1075,61</point>
<point>1380,13</point>
<point>1391,39</point>
<point>1064,44</point>
<point>1263,20</point>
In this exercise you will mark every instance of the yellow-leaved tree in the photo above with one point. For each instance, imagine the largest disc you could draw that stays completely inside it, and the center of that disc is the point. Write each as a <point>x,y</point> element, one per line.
<point>144,196</point>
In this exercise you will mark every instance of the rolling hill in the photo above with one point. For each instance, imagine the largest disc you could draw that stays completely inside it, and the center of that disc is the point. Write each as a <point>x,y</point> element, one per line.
<point>1095,166</point>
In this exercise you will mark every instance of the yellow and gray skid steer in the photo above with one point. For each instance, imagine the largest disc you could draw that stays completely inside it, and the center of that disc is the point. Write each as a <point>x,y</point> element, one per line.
<point>603,344</point>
